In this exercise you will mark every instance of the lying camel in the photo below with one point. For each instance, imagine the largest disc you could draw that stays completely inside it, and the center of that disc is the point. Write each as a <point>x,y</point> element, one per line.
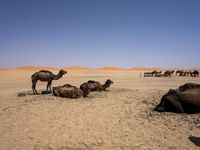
<point>96,86</point>
<point>185,99</point>
<point>45,76</point>
<point>70,91</point>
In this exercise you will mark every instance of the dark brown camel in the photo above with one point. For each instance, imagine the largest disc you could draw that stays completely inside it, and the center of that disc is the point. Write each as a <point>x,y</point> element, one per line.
<point>195,73</point>
<point>168,73</point>
<point>96,86</point>
<point>45,76</point>
<point>69,91</point>
<point>179,72</point>
<point>185,99</point>
<point>154,73</point>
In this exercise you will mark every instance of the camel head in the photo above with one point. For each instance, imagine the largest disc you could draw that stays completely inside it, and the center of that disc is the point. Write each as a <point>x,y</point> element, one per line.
<point>62,72</point>
<point>166,102</point>
<point>109,82</point>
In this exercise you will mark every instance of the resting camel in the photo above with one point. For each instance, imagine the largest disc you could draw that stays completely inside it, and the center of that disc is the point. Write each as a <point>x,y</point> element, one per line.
<point>45,76</point>
<point>70,91</point>
<point>96,86</point>
<point>185,99</point>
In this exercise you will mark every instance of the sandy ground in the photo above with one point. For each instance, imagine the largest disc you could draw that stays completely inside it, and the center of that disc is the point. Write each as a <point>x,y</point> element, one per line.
<point>121,118</point>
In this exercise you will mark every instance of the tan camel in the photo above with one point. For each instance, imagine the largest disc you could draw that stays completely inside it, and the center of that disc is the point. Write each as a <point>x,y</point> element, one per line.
<point>45,76</point>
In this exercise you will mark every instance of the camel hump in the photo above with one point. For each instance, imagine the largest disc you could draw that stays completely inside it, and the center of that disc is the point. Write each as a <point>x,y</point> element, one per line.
<point>92,81</point>
<point>44,71</point>
<point>67,85</point>
<point>187,86</point>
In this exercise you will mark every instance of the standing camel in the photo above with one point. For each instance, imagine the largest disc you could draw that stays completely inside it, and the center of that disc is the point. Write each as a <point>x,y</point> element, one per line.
<point>45,76</point>
<point>168,73</point>
<point>195,73</point>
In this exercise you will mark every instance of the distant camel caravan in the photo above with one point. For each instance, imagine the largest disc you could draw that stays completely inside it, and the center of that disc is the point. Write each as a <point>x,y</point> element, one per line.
<point>169,73</point>
<point>96,86</point>
<point>69,91</point>
<point>194,73</point>
<point>185,99</point>
<point>45,76</point>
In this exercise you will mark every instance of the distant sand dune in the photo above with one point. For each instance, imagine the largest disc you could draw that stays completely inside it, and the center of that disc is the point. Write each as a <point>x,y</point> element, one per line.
<point>106,68</point>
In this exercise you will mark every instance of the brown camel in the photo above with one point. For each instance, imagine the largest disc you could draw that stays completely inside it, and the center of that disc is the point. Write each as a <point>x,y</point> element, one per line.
<point>69,91</point>
<point>179,72</point>
<point>154,73</point>
<point>185,99</point>
<point>96,86</point>
<point>45,76</point>
<point>168,73</point>
<point>195,73</point>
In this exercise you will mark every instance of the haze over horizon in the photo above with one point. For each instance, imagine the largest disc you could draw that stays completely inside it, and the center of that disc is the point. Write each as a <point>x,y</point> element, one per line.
<point>94,33</point>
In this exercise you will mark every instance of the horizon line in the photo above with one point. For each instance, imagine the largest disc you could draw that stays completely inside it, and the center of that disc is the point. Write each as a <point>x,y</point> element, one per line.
<point>76,67</point>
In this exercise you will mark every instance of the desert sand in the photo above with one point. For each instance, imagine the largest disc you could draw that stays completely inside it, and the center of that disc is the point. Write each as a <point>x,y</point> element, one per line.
<point>121,118</point>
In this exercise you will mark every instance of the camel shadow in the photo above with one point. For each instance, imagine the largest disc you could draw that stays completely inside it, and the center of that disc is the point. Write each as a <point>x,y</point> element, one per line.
<point>195,140</point>
<point>27,93</point>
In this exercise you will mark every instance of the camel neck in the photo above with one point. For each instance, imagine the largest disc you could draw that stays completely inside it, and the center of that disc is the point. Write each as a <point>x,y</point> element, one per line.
<point>105,86</point>
<point>58,76</point>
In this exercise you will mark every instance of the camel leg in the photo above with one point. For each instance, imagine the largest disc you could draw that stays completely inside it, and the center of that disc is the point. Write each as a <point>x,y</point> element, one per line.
<point>49,85</point>
<point>34,87</point>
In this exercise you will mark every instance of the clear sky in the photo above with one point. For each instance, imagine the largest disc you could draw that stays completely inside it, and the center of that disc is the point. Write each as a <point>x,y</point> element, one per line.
<point>96,33</point>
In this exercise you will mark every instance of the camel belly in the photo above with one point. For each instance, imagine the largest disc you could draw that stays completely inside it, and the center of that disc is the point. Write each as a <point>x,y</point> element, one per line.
<point>68,92</point>
<point>44,77</point>
<point>191,97</point>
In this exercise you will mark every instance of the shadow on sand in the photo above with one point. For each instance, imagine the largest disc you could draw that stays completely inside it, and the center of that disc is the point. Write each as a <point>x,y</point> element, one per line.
<point>195,140</point>
<point>26,93</point>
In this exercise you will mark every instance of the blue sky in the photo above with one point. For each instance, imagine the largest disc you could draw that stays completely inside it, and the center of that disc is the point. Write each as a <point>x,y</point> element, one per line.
<point>96,33</point>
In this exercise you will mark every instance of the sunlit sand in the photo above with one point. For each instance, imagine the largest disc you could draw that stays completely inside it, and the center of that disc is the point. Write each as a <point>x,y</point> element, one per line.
<point>121,118</point>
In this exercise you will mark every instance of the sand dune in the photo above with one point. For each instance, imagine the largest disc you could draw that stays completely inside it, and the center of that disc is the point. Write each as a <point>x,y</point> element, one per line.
<point>106,68</point>
<point>76,68</point>
<point>143,69</point>
<point>112,69</point>
<point>36,68</point>
<point>120,119</point>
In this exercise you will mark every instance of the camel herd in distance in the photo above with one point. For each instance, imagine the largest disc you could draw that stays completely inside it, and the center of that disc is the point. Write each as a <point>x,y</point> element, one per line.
<point>170,73</point>
<point>184,99</point>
